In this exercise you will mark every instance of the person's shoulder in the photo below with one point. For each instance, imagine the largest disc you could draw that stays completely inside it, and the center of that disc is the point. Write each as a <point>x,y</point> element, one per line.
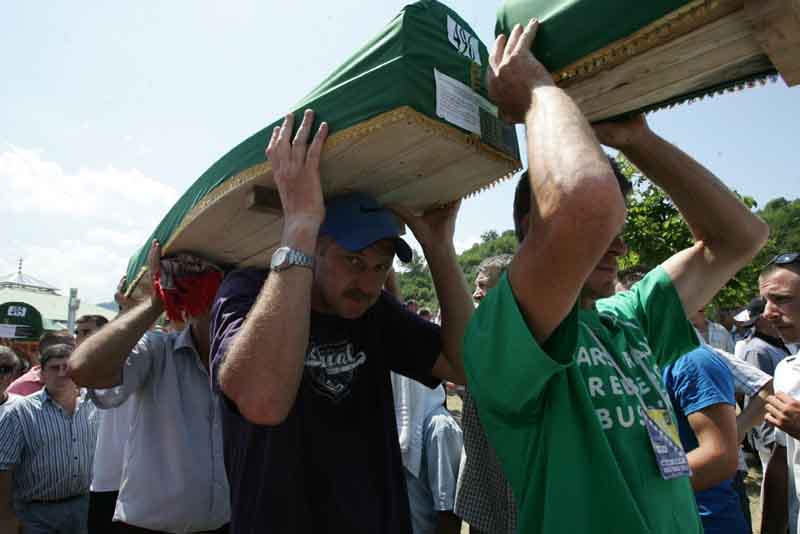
<point>31,400</point>
<point>784,367</point>
<point>12,399</point>
<point>242,282</point>
<point>703,359</point>
<point>388,308</point>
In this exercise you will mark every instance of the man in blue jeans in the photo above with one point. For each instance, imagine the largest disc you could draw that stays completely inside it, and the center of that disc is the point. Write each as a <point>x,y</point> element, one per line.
<point>700,386</point>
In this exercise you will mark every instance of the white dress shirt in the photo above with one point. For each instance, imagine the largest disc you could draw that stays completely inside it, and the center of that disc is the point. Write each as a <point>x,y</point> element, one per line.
<point>787,380</point>
<point>413,402</point>
<point>112,437</point>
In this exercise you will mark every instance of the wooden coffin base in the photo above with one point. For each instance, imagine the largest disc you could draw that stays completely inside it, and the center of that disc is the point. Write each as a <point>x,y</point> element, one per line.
<point>695,50</point>
<point>400,157</point>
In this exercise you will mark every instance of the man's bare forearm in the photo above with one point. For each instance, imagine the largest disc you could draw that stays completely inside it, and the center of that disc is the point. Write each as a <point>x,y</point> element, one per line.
<point>456,305</point>
<point>98,361</point>
<point>754,412</point>
<point>576,211</point>
<point>262,371</point>
<point>714,214</point>
<point>564,155</point>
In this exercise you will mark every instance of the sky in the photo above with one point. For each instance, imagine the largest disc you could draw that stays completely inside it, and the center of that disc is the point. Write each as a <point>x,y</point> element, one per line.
<point>111,110</point>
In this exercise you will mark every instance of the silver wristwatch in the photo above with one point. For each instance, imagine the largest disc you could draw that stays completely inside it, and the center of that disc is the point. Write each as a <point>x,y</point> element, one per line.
<point>286,257</point>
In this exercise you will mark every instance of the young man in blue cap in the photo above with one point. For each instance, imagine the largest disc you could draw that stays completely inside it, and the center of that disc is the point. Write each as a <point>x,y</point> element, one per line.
<point>302,354</point>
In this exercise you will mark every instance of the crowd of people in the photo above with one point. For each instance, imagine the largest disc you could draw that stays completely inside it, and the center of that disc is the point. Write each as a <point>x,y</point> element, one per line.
<point>308,397</point>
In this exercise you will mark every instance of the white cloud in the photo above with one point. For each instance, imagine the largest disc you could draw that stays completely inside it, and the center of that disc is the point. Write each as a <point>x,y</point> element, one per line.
<point>75,229</point>
<point>36,184</point>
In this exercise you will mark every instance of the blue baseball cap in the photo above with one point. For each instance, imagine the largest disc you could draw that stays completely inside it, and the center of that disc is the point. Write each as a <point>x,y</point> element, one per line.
<point>356,221</point>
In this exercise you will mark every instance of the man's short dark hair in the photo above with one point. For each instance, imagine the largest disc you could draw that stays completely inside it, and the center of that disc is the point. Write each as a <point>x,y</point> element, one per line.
<point>60,337</point>
<point>99,320</point>
<point>8,351</point>
<point>53,352</point>
<point>522,196</point>
<point>772,267</point>
<point>424,312</point>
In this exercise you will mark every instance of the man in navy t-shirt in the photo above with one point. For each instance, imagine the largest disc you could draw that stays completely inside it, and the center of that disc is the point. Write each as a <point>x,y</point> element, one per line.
<point>302,354</point>
<point>700,387</point>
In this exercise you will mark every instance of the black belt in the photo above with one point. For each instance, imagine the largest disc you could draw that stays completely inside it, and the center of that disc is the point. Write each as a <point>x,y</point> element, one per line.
<point>56,501</point>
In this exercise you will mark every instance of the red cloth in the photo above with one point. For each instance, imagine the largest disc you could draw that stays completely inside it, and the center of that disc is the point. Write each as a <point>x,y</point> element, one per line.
<point>192,296</point>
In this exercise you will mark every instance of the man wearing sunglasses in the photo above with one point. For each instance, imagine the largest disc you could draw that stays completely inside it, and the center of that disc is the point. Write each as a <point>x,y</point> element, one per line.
<point>779,285</point>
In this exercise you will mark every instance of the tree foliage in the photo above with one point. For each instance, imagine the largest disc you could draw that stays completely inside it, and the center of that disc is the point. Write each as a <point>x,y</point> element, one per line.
<point>415,279</point>
<point>654,231</point>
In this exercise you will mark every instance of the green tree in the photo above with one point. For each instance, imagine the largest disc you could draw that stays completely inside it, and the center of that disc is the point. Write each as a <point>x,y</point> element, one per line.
<point>415,279</point>
<point>655,230</point>
<point>415,282</point>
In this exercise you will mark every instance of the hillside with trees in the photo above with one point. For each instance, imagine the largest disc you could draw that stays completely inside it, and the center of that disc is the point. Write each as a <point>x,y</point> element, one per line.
<point>654,231</point>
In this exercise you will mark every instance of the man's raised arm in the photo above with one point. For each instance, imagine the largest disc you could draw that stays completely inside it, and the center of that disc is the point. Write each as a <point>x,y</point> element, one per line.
<point>434,232</point>
<point>263,367</point>
<point>97,362</point>
<point>727,235</point>
<point>577,208</point>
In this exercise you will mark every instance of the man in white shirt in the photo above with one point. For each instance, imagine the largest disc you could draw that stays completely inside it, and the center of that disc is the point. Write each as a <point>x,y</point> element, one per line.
<point>430,444</point>
<point>173,477</point>
<point>779,284</point>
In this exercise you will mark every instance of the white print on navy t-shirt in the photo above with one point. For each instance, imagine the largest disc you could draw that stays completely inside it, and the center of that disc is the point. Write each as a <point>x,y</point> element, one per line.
<point>332,367</point>
<point>604,382</point>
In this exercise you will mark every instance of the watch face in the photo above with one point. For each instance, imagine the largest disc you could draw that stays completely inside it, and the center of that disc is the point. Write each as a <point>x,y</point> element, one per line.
<point>280,257</point>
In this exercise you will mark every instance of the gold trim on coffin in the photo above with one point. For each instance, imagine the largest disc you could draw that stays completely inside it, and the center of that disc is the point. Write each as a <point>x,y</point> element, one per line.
<point>356,131</point>
<point>680,22</point>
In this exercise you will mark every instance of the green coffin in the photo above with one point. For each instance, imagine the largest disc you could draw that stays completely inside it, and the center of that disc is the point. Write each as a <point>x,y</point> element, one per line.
<point>616,57</point>
<point>23,319</point>
<point>409,123</point>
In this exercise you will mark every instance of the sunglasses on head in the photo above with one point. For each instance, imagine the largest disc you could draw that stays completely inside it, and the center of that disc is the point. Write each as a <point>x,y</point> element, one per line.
<point>6,369</point>
<point>785,259</point>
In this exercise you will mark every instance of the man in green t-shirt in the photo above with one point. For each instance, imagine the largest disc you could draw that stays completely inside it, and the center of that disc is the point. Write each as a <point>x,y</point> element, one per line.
<point>566,376</point>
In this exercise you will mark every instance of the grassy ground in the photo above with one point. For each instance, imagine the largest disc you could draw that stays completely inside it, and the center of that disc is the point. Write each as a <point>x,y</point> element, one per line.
<point>752,483</point>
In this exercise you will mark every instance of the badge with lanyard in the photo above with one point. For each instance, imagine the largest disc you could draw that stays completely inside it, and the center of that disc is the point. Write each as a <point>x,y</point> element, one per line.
<point>664,439</point>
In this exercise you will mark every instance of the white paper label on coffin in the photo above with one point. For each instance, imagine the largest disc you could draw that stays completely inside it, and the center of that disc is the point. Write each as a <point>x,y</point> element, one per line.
<point>457,103</point>
<point>8,331</point>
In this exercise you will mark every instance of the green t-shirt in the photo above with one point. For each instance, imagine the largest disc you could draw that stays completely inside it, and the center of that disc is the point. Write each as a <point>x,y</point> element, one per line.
<point>566,423</point>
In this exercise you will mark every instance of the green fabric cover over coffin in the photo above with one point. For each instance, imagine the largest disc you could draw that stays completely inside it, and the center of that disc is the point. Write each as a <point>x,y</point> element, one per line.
<point>386,138</point>
<point>616,57</point>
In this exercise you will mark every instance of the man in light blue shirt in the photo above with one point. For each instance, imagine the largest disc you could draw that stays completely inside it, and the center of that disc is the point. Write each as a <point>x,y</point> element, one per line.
<point>47,443</point>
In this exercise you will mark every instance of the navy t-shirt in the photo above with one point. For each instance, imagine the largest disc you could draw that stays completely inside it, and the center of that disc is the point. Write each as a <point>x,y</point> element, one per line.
<point>698,380</point>
<point>334,464</point>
